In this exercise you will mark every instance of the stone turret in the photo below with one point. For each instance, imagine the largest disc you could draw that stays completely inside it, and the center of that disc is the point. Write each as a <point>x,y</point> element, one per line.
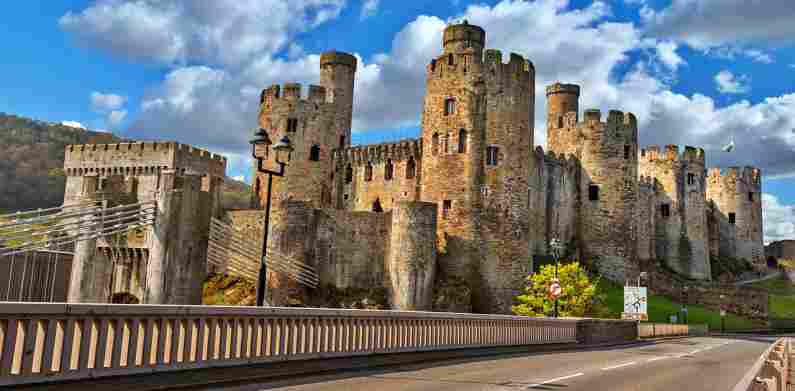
<point>737,194</point>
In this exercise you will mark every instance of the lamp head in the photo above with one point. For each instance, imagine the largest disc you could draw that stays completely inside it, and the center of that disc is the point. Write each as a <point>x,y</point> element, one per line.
<point>261,138</point>
<point>284,146</point>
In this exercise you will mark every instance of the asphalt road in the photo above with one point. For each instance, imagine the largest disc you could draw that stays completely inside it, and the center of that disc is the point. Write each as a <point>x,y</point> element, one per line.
<point>707,363</point>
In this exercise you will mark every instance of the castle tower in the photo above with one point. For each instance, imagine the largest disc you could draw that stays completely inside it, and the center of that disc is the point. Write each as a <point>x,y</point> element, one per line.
<point>316,125</point>
<point>505,217</point>
<point>737,195</point>
<point>458,38</point>
<point>561,100</point>
<point>680,216</point>
<point>608,188</point>
<point>453,152</point>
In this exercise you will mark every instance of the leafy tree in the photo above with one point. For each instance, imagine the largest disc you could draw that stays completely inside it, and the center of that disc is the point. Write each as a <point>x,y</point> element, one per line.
<point>577,297</point>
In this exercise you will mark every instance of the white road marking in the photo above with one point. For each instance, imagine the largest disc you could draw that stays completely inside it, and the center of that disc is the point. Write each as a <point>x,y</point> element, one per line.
<point>619,366</point>
<point>657,358</point>
<point>534,385</point>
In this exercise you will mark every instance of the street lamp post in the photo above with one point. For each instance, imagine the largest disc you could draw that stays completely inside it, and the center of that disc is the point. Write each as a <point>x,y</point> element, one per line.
<point>684,304</point>
<point>557,248</point>
<point>722,314</point>
<point>281,147</point>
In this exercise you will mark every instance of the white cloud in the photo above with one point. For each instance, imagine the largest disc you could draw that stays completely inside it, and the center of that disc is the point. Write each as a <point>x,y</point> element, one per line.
<point>73,124</point>
<point>179,32</point>
<point>728,83</point>
<point>710,23</point>
<point>106,102</point>
<point>369,8</point>
<point>759,56</point>
<point>666,51</point>
<point>239,178</point>
<point>115,117</point>
<point>778,219</point>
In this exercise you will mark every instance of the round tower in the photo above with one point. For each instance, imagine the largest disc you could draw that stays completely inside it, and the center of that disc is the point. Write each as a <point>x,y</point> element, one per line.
<point>561,100</point>
<point>337,72</point>
<point>412,256</point>
<point>681,232</point>
<point>317,122</point>
<point>608,192</point>
<point>505,216</point>
<point>460,37</point>
<point>453,151</point>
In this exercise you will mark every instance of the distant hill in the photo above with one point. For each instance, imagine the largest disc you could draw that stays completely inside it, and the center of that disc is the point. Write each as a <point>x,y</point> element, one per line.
<point>31,163</point>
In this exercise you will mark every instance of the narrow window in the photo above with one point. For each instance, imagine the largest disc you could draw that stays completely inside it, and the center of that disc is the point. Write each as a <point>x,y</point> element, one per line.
<point>450,59</point>
<point>665,210</point>
<point>731,218</point>
<point>593,192</point>
<point>751,196</point>
<point>435,144</point>
<point>342,141</point>
<point>449,106</point>
<point>348,174</point>
<point>368,172</point>
<point>388,169</point>
<point>292,124</point>
<point>314,153</point>
<point>446,205</point>
<point>626,151</point>
<point>691,178</point>
<point>411,167</point>
<point>257,187</point>
<point>462,141</point>
<point>560,121</point>
<point>446,144</point>
<point>377,206</point>
<point>491,155</point>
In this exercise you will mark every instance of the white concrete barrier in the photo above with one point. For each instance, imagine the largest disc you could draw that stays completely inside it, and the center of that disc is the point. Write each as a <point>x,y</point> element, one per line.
<point>651,330</point>
<point>41,342</point>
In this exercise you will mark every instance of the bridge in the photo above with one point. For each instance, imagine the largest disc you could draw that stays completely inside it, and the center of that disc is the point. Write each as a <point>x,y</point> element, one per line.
<point>63,346</point>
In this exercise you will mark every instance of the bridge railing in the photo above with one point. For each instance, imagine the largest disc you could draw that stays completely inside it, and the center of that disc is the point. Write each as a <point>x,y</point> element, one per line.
<point>52,341</point>
<point>651,330</point>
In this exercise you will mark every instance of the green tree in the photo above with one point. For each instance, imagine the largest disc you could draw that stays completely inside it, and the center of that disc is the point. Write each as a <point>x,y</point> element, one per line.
<point>576,299</point>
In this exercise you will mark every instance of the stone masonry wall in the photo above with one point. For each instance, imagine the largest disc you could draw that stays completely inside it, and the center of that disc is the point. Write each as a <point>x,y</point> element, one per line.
<point>681,235</point>
<point>738,192</point>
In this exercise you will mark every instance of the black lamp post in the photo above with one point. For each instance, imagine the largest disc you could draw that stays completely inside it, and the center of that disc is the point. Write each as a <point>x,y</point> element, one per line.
<point>722,315</point>
<point>557,248</point>
<point>281,147</point>
<point>684,304</point>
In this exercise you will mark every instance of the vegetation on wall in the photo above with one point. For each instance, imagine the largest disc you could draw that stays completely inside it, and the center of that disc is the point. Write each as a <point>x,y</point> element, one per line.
<point>728,267</point>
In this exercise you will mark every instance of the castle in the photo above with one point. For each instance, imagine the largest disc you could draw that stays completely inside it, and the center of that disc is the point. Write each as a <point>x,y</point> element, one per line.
<point>473,200</point>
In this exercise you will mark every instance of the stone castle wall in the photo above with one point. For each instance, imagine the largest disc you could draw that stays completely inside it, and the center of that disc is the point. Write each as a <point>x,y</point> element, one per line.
<point>783,249</point>
<point>737,193</point>
<point>681,216</point>
<point>498,200</point>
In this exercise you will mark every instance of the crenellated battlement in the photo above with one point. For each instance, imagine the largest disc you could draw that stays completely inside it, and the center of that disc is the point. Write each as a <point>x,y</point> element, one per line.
<point>142,157</point>
<point>647,182</point>
<point>691,155</point>
<point>517,69</point>
<point>560,88</point>
<point>334,57</point>
<point>569,161</point>
<point>750,175</point>
<point>399,150</point>
<point>292,92</point>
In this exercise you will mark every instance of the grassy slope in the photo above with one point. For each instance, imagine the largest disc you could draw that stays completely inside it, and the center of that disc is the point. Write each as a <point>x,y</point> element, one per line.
<point>782,296</point>
<point>660,308</point>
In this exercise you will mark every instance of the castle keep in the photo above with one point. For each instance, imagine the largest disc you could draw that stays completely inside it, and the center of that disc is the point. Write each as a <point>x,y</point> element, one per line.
<point>472,200</point>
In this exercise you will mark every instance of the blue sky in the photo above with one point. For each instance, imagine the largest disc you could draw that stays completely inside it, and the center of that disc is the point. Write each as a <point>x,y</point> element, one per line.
<point>694,72</point>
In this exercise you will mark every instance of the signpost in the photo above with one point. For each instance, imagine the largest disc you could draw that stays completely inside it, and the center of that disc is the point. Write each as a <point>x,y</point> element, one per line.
<point>553,291</point>
<point>635,300</point>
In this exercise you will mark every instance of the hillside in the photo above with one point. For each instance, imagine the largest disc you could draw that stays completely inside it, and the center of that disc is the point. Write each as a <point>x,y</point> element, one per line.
<point>33,152</point>
<point>31,173</point>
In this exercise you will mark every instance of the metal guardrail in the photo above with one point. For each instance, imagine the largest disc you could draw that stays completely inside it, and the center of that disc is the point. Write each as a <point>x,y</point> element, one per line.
<point>53,342</point>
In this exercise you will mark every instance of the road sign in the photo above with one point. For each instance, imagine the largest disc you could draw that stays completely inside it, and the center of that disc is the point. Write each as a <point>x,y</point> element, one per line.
<point>635,301</point>
<point>554,289</point>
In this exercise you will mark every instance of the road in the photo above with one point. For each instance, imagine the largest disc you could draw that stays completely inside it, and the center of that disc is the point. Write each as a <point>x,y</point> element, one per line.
<point>707,363</point>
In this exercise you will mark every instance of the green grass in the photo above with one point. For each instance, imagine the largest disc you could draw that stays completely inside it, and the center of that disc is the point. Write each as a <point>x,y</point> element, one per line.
<point>782,296</point>
<point>660,308</point>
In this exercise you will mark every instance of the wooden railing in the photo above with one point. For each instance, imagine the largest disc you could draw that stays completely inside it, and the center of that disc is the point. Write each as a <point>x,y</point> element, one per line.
<point>42,342</point>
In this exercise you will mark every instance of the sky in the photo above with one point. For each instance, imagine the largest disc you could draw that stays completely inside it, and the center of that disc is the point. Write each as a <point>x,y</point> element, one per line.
<point>694,72</point>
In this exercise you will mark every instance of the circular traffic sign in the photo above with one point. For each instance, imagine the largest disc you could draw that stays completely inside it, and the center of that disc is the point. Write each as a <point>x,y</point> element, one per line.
<point>555,289</point>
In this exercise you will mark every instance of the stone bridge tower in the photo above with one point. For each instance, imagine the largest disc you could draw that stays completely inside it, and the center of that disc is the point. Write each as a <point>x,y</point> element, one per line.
<point>161,264</point>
